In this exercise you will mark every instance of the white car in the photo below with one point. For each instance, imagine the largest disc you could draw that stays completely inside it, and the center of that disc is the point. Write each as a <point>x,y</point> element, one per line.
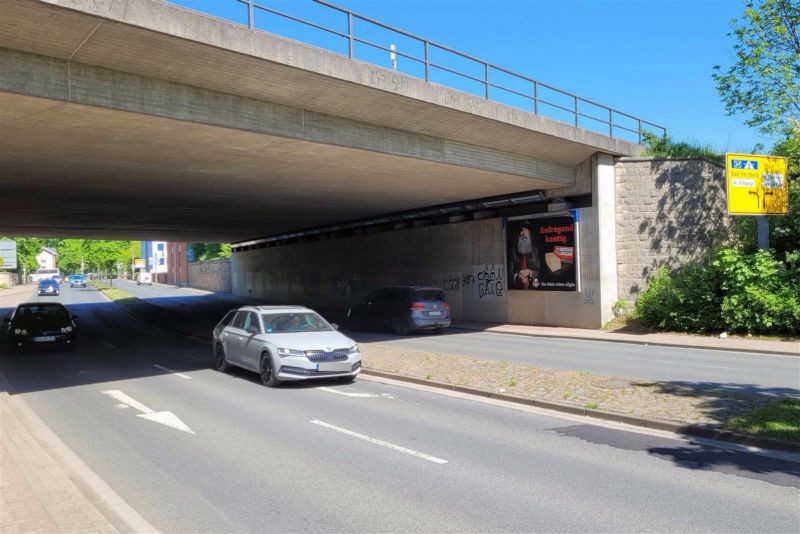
<point>283,343</point>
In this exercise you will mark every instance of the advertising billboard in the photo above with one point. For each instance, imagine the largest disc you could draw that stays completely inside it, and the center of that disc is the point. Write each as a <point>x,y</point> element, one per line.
<point>542,253</point>
<point>757,185</point>
<point>8,254</point>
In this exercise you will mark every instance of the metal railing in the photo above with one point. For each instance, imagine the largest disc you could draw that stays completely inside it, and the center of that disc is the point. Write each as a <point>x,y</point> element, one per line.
<point>540,97</point>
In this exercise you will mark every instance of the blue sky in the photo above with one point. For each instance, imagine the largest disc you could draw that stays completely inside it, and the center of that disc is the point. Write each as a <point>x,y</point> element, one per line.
<point>650,58</point>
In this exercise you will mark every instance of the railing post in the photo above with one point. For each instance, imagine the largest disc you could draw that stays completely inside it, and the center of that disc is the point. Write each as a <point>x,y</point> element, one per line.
<point>535,98</point>
<point>640,131</point>
<point>610,123</point>
<point>486,77</point>
<point>350,35</point>
<point>250,14</point>
<point>575,98</point>
<point>427,63</point>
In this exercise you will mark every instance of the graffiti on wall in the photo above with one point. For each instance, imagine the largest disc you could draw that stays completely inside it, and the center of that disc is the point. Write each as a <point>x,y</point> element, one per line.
<point>489,281</point>
<point>450,282</point>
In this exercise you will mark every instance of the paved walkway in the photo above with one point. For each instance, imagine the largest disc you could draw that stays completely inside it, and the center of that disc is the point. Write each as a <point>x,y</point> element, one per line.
<point>667,339</point>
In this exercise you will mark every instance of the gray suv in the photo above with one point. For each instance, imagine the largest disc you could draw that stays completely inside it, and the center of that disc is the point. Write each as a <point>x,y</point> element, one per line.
<point>402,309</point>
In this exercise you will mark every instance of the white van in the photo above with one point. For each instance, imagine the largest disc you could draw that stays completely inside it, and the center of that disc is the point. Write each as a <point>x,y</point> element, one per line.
<point>144,278</point>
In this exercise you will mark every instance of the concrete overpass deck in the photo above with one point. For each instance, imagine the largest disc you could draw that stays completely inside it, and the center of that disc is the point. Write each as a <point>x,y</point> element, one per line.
<point>145,119</point>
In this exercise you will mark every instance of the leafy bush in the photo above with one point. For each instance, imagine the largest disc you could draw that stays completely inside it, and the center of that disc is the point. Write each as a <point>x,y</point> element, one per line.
<point>688,302</point>
<point>760,293</point>
<point>739,292</point>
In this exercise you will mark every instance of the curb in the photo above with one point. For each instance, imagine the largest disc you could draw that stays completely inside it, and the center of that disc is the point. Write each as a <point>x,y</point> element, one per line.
<point>676,428</point>
<point>628,341</point>
<point>98,494</point>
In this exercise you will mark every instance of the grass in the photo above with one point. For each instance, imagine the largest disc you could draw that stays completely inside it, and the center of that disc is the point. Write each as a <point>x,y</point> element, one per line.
<point>112,292</point>
<point>3,286</point>
<point>779,420</point>
<point>591,406</point>
<point>513,382</point>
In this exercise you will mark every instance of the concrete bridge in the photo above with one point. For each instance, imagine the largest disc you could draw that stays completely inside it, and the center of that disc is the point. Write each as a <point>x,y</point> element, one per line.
<point>144,119</point>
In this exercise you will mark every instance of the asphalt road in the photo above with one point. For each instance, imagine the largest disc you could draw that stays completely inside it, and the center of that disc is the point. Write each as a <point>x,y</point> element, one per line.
<point>367,456</point>
<point>737,371</point>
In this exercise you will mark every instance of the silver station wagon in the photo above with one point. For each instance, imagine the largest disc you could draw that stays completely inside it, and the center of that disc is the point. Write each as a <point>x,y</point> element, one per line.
<point>283,343</point>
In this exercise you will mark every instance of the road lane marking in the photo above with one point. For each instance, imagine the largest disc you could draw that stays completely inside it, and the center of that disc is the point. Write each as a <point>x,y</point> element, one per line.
<point>382,443</point>
<point>176,373</point>
<point>123,398</point>
<point>348,394</point>
<point>165,418</point>
<point>107,344</point>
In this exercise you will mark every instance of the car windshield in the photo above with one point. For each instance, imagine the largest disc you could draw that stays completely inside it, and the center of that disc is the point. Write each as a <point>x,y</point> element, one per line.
<point>429,294</point>
<point>294,322</point>
<point>48,282</point>
<point>43,316</point>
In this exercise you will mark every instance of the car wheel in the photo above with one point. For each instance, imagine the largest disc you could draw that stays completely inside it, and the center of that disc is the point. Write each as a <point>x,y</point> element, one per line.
<point>400,327</point>
<point>268,377</point>
<point>220,362</point>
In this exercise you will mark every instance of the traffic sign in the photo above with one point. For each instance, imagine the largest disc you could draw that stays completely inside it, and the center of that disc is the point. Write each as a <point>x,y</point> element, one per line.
<point>757,185</point>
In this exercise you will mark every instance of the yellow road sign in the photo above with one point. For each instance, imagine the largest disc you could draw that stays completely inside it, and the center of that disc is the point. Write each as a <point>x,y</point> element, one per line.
<point>757,185</point>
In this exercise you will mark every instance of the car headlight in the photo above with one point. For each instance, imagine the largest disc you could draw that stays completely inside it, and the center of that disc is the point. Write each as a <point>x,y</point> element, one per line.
<point>20,331</point>
<point>66,329</point>
<point>283,353</point>
<point>353,349</point>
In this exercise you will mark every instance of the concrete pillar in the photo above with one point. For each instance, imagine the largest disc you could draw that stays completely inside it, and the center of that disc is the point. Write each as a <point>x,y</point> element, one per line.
<point>604,199</point>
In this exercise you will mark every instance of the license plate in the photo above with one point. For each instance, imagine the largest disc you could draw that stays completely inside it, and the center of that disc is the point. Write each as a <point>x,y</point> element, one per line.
<point>44,339</point>
<point>435,314</point>
<point>333,366</point>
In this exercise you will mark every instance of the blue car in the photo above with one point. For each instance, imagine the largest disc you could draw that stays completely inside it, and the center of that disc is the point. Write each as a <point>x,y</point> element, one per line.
<point>48,286</point>
<point>77,280</point>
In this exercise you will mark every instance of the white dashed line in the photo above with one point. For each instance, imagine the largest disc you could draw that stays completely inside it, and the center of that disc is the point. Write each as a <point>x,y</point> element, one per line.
<point>107,344</point>
<point>382,443</point>
<point>187,377</point>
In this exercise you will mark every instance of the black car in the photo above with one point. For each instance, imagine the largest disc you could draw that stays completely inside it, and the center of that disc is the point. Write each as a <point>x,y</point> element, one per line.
<point>403,309</point>
<point>48,286</point>
<point>41,324</point>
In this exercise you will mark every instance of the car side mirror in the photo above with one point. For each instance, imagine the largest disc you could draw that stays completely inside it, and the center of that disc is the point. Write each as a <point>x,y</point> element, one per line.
<point>253,330</point>
<point>335,326</point>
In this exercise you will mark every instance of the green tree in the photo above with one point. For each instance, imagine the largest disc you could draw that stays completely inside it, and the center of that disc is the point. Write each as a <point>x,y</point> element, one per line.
<point>210,251</point>
<point>765,79</point>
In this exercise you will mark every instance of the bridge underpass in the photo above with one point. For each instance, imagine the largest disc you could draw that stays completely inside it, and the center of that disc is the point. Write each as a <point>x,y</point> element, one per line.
<point>156,121</point>
<point>145,120</point>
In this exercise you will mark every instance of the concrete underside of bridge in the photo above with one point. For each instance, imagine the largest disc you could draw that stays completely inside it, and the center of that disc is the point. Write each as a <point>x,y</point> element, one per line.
<point>143,120</point>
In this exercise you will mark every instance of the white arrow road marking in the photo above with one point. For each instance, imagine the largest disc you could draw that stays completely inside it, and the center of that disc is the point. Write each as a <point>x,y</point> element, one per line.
<point>382,443</point>
<point>123,398</point>
<point>348,394</point>
<point>176,373</point>
<point>165,418</point>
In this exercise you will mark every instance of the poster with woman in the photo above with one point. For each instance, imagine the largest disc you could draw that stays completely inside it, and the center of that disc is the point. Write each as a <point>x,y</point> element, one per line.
<point>542,253</point>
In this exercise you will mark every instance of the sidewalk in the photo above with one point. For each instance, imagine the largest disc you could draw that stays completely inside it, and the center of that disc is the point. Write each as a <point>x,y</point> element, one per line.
<point>664,339</point>
<point>44,487</point>
<point>17,290</point>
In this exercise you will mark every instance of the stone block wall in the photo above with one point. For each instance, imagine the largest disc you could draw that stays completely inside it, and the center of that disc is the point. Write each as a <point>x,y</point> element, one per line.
<point>669,211</point>
<point>8,279</point>
<point>211,275</point>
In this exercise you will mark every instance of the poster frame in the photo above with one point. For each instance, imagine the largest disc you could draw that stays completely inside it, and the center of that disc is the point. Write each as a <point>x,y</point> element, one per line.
<point>576,217</point>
